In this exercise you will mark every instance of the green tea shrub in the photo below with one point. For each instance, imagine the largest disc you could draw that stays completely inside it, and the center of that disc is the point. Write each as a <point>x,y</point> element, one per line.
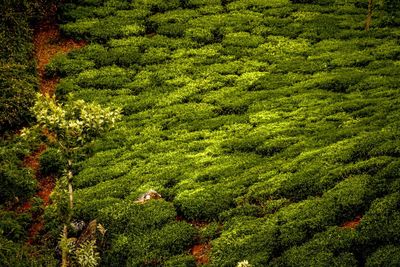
<point>17,89</point>
<point>154,56</point>
<point>80,27</point>
<point>52,162</point>
<point>13,226</point>
<point>155,247</point>
<point>123,56</point>
<point>204,203</point>
<point>110,77</point>
<point>17,182</point>
<point>72,12</point>
<point>300,221</point>
<point>387,50</point>
<point>65,87</point>
<point>199,3</point>
<point>210,9</point>
<point>62,65</point>
<point>352,196</point>
<point>128,217</point>
<point>209,232</point>
<point>248,238</point>
<point>94,52</point>
<point>12,254</point>
<point>255,5</point>
<point>102,30</point>
<point>200,35</point>
<point>242,39</point>
<point>245,210</point>
<point>380,223</point>
<point>86,209</point>
<point>181,261</point>
<point>156,5</point>
<point>137,14</point>
<point>338,82</point>
<point>175,16</point>
<point>384,256</point>
<point>355,59</point>
<point>272,82</point>
<point>331,248</point>
<point>93,175</point>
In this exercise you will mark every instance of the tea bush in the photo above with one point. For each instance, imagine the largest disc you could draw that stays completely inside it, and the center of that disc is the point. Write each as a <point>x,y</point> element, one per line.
<point>380,221</point>
<point>18,82</point>
<point>332,247</point>
<point>204,203</point>
<point>17,182</point>
<point>52,162</point>
<point>384,256</point>
<point>275,121</point>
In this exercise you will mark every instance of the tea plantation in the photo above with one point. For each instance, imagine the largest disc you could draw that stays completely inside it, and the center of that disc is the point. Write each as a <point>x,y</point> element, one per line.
<point>265,125</point>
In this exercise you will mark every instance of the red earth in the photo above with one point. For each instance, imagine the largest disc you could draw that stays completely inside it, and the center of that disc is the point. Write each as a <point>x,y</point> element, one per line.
<point>353,223</point>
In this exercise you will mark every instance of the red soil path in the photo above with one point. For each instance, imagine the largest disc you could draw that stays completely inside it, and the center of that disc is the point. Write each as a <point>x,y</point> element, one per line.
<point>47,42</point>
<point>353,223</point>
<point>201,253</point>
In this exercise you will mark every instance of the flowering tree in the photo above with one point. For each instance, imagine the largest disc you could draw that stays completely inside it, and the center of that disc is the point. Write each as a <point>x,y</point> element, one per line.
<point>72,126</point>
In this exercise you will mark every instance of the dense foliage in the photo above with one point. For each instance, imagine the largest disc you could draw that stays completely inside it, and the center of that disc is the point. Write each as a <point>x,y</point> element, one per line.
<point>271,123</point>
<point>278,121</point>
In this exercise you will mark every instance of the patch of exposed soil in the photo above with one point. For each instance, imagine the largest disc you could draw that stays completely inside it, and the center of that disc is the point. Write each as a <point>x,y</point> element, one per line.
<point>201,253</point>
<point>353,223</point>
<point>48,42</point>
<point>32,161</point>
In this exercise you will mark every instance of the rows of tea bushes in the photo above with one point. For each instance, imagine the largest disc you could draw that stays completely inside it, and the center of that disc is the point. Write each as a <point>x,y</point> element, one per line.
<point>276,122</point>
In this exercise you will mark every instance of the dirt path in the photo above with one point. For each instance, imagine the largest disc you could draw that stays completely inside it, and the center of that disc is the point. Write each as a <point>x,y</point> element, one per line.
<point>353,223</point>
<point>47,43</point>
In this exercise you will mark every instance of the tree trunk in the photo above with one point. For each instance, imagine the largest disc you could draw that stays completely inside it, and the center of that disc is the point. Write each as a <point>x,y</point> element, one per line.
<point>64,256</point>
<point>71,193</point>
<point>64,250</point>
<point>368,21</point>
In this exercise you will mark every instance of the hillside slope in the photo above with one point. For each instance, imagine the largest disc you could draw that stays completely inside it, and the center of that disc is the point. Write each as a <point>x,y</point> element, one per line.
<point>266,126</point>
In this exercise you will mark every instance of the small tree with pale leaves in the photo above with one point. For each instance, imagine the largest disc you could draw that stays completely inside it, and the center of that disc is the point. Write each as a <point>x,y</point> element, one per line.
<point>72,127</point>
<point>244,263</point>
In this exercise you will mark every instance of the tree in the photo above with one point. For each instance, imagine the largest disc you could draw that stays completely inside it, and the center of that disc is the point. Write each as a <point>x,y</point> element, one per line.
<point>71,127</point>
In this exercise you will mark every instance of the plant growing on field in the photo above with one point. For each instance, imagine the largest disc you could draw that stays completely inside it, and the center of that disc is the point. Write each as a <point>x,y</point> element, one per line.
<point>72,126</point>
<point>244,263</point>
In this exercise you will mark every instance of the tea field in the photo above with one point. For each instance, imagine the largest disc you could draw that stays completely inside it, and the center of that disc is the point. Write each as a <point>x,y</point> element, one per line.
<point>270,128</point>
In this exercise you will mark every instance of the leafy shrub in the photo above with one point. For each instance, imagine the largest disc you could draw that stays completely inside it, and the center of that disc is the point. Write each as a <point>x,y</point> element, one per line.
<point>248,238</point>
<point>52,162</point>
<point>204,203</point>
<point>380,223</point>
<point>242,39</point>
<point>61,65</point>
<point>181,261</point>
<point>14,226</point>
<point>156,246</point>
<point>384,256</point>
<point>17,254</point>
<point>17,87</point>
<point>330,248</point>
<point>17,182</point>
<point>111,77</point>
<point>129,217</point>
<point>157,5</point>
<point>102,29</point>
